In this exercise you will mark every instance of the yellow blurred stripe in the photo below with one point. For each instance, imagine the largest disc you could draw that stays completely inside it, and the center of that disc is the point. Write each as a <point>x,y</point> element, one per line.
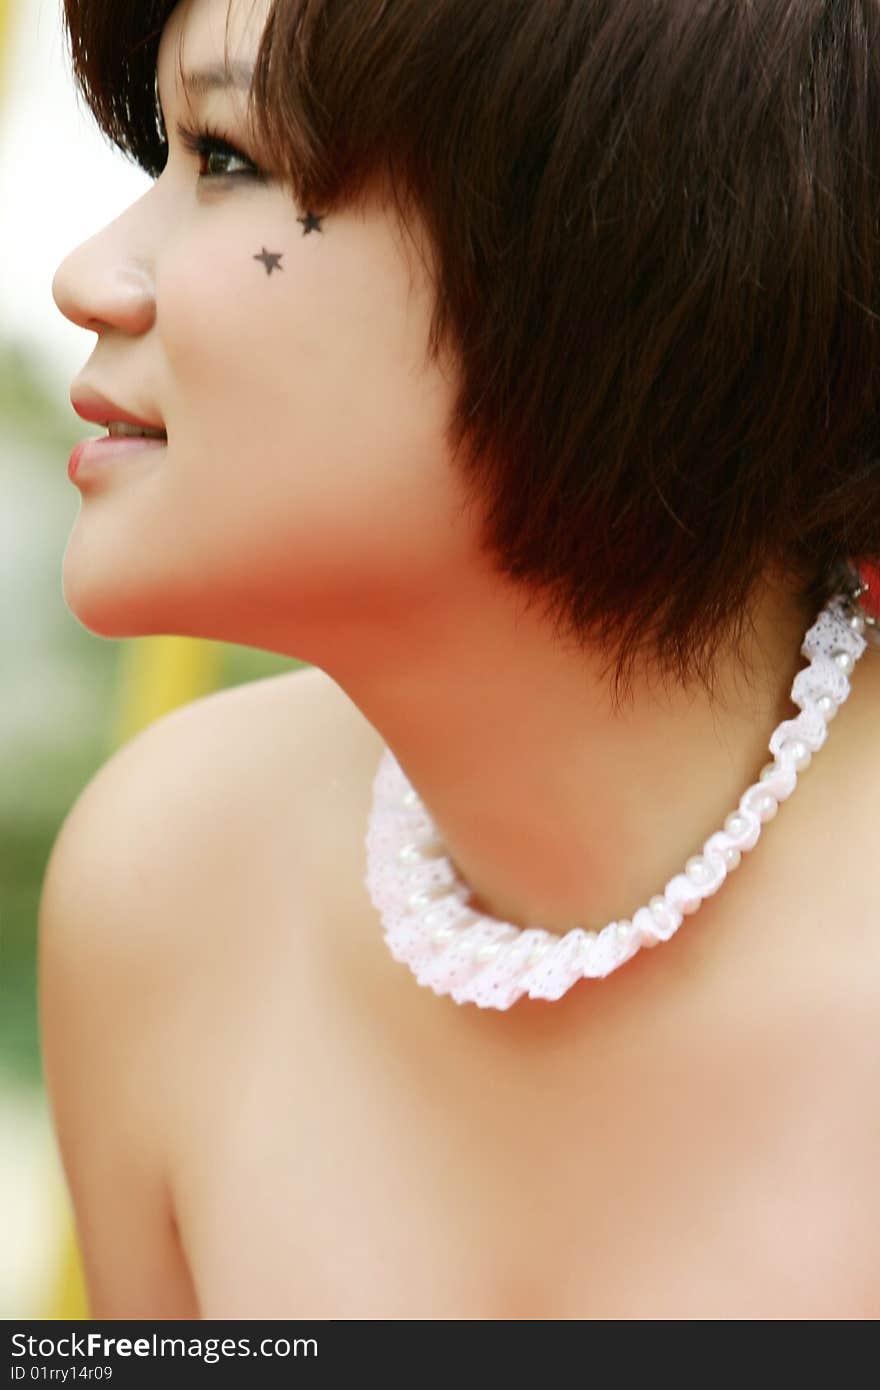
<point>67,1300</point>
<point>5,43</point>
<point>156,675</point>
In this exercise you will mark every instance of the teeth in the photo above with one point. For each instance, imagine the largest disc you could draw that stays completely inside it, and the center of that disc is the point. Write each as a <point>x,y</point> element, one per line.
<point>119,427</point>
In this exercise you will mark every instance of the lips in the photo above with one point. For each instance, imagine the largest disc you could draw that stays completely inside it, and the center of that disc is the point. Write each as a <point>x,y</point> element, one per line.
<point>91,404</point>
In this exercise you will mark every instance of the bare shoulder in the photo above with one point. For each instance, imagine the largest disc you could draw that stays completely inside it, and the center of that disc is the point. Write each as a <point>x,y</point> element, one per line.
<point>184,776</point>
<point>124,913</point>
<point>190,807</point>
<point>301,714</point>
<point>265,760</point>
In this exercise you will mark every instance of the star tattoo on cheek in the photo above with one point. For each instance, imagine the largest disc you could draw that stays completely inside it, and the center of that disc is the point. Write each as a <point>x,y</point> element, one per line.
<point>311,223</point>
<point>272,259</point>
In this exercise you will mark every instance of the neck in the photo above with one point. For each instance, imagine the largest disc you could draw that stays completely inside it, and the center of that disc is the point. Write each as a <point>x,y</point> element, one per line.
<point>555,810</point>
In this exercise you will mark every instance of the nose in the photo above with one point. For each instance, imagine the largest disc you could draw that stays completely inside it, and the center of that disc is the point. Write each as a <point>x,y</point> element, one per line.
<point>101,286</point>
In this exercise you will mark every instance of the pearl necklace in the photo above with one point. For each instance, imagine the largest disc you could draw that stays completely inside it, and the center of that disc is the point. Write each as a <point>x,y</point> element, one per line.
<point>453,948</point>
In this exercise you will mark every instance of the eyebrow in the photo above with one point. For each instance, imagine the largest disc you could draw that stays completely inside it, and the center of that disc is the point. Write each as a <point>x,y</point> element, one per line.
<point>216,75</point>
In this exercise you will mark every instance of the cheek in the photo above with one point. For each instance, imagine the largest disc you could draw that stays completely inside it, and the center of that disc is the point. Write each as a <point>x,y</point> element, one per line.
<point>219,316</point>
<point>307,431</point>
<point>316,508</point>
<point>242,344</point>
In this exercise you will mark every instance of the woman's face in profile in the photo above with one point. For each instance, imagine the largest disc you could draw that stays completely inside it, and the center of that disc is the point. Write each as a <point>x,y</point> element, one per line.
<point>305,478</point>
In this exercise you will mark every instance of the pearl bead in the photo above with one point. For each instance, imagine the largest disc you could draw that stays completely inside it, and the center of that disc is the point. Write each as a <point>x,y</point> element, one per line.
<point>735,824</point>
<point>732,857</point>
<point>857,623</point>
<point>766,807</point>
<point>410,854</point>
<point>486,952</point>
<point>442,935</point>
<point>827,706</point>
<point>411,798</point>
<point>625,931</point>
<point>697,869</point>
<point>768,770</point>
<point>844,661</point>
<point>417,901</point>
<point>587,940</point>
<point>800,752</point>
<point>761,803</point>
<point>432,919</point>
<point>537,952</point>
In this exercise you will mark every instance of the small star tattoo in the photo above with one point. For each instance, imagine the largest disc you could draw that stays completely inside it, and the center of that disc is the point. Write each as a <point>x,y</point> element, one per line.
<point>271,260</point>
<point>311,223</point>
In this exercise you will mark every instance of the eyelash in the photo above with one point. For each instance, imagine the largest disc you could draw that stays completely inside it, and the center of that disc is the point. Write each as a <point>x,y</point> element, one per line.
<point>206,141</point>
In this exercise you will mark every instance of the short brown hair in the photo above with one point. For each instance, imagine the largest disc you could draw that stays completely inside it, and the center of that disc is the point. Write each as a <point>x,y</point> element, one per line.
<point>656,258</point>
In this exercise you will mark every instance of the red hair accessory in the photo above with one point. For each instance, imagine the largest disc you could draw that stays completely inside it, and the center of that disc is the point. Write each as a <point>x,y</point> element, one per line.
<point>866,592</point>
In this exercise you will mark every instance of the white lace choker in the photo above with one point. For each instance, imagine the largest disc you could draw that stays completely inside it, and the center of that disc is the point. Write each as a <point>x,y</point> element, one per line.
<point>427,915</point>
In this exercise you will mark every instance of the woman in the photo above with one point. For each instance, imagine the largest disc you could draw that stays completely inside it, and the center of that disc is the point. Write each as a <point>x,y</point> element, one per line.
<point>515,366</point>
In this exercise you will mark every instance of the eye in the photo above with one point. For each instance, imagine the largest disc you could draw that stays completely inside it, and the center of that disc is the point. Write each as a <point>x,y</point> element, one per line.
<point>208,144</point>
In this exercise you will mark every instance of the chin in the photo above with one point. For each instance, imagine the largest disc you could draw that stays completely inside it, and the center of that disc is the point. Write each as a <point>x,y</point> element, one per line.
<point>106,602</point>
